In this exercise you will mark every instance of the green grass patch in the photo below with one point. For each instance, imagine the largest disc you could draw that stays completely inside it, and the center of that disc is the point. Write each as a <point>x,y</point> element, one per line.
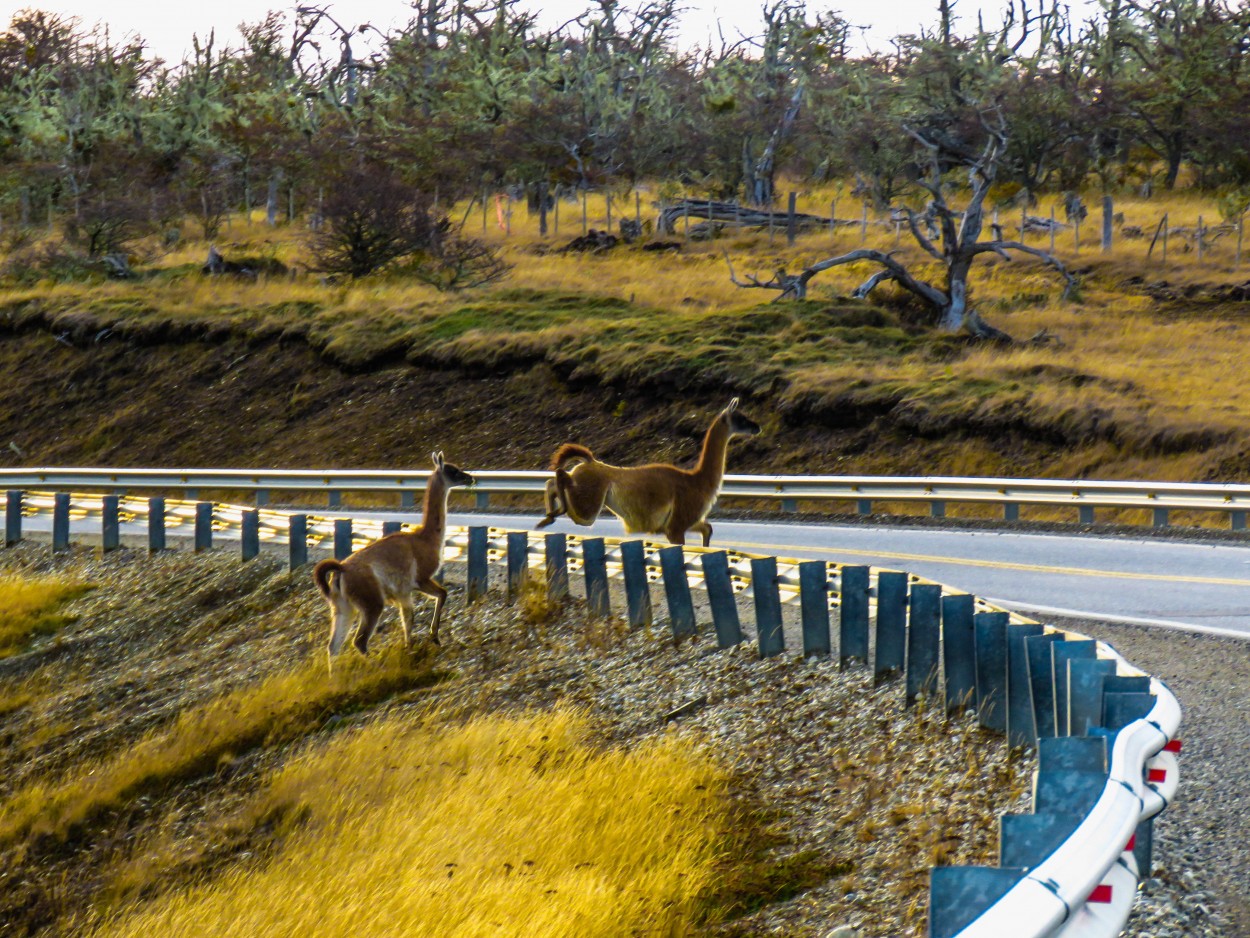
<point>32,608</point>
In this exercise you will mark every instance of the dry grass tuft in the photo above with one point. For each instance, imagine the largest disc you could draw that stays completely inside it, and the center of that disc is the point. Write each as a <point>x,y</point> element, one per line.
<point>30,608</point>
<point>280,708</point>
<point>502,826</point>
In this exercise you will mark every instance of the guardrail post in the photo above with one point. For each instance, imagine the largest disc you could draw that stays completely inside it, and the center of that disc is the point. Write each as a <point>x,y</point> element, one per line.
<point>261,498</point>
<point>156,524</point>
<point>677,591</point>
<point>923,634</point>
<point>391,527</point>
<point>1061,652</point>
<point>556,561</point>
<point>1028,839</point>
<point>789,505</point>
<point>481,500</point>
<point>203,526</point>
<point>853,616</point>
<point>937,509</point>
<point>863,506</point>
<point>1160,518</point>
<point>477,578</point>
<point>1011,511</point>
<point>518,562</point>
<point>990,629</point>
<point>814,606</point>
<point>297,530</point>
<point>1021,731</point>
<point>1237,520</point>
<point>891,624</point>
<point>12,518</point>
<point>1085,514</point>
<point>767,606</point>
<point>110,527</point>
<point>1071,774</point>
<point>342,538</point>
<point>60,521</point>
<point>637,589</point>
<point>720,596</point>
<point>249,534</point>
<point>407,499</point>
<point>958,895</point>
<point>1085,679</point>
<point>1124,701</point>
<point>334,499</point>
<point>959,655</point>
<point>1042,683</point>
<point>595,570</point>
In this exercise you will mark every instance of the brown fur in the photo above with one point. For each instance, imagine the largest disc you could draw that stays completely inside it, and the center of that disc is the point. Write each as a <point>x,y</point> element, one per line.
<point>390,569</point>
<point>654,499</point>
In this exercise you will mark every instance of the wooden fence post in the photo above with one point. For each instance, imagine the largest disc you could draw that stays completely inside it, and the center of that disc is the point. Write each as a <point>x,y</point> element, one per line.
<point>814,605</point>
<point>791,220</point>
<point>155,524</point>
<point>1198,238</point>
<point>1052,229</point>
<point>556,554</point>
<point>891,624</point>
<point>637,589</point>
<point>110,529</point>
<point>677,591</point>
<point>518,563</point>
<point>478,575</point>
<point>595,570</point>
<point>853,616</point>
<point>585,196</point>
<point>249,534</point>
<point>863,225</point>
<point>342,538</point>
<point>60,521</point>
<point>720,595</point>
<point>607,201</point>
<point>767,607</point>
<point>297,539</point>
<point>923,637</point>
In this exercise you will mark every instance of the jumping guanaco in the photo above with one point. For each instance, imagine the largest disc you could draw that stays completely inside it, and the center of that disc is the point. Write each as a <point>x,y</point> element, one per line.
<point>388,570</point>
<point>653,499</point>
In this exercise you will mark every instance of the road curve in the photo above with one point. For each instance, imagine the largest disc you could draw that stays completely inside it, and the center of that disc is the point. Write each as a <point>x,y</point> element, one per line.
<point>1201,587</point>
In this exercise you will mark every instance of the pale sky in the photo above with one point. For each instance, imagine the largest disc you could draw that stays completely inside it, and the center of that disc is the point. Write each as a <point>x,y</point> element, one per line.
<point>168,26</point>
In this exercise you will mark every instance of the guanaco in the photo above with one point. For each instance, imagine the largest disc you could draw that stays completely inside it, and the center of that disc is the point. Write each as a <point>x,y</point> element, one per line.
<point>653,499</point>
<point>389,569</point>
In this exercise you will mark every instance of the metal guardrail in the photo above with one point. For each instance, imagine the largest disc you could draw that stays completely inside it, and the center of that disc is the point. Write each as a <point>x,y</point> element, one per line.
<point>936,491</point>
<point>1057,876</point>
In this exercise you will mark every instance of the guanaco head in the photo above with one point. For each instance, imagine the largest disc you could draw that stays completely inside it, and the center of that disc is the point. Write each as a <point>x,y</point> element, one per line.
<point>739,424</point>
<point>452,475</point>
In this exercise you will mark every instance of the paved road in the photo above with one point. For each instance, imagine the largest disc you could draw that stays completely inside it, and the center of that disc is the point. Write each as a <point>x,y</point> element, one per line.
<point>1150,581</point>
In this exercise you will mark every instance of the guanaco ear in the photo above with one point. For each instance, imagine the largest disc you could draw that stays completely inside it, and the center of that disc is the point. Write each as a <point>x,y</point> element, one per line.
<point>437,459</point>
<point>733,405</point>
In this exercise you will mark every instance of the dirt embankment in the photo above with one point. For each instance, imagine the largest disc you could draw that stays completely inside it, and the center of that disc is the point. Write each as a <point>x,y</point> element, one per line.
<point>228,400</point>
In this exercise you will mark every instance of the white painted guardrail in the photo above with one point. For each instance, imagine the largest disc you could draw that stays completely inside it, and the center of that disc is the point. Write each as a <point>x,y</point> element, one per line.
<point>1082,888</point>
<point>1085,496</point>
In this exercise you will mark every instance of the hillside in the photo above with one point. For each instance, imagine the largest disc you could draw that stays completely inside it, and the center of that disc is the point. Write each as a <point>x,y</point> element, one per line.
<point>167,738</point>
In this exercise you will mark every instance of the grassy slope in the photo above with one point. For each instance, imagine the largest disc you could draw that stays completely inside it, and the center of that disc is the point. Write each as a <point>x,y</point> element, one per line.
<point>1139,379</point>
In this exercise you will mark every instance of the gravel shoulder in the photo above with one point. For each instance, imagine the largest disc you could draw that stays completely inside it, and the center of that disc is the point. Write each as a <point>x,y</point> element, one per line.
<point>1201,883</point>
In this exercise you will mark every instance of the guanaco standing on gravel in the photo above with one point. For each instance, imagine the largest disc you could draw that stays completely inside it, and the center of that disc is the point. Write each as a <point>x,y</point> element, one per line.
<point>388,570</point>
<point>654,499</point>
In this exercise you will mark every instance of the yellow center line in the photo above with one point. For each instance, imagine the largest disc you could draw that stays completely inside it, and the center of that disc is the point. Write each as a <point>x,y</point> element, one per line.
<point>780,549</point>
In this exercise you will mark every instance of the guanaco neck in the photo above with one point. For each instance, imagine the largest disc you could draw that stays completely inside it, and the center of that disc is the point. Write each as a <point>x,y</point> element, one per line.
<point>711,466</point>
<point>434,515</point>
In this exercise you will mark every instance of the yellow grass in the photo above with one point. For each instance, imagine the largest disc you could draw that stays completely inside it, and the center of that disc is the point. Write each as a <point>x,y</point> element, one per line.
<point>31,607</point>
<point>504,826</point>
<point>282,707</point>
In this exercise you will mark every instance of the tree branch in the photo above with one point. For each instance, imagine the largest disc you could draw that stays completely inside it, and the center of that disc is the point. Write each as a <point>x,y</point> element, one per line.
<point>1002,247</point>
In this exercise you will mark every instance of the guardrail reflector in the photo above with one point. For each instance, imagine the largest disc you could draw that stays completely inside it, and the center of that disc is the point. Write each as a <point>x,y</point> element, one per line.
<point>1100,894</point>
<point>1173,745</point>
<point>1156,776</point>
<point>1132,842</point>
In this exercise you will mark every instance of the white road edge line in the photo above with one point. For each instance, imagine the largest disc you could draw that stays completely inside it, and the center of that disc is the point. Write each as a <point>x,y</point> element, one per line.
<point>1119,620</point>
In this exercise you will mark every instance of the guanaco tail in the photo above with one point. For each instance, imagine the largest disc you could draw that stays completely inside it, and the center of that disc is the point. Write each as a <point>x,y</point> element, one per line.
<point>654,499</point>
<point>389,569</point>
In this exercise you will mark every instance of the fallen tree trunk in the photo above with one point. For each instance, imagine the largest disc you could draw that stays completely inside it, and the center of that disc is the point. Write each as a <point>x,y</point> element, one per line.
<point>731,213</point>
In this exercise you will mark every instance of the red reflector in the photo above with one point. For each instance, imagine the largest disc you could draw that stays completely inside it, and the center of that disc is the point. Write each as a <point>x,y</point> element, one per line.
<point>1157,775</point>
<point>1100,894</point>
<point>1132,842</point>
<point>1173,746</point>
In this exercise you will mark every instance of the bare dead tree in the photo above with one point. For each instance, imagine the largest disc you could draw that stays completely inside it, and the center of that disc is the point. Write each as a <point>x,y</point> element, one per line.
<point>957,245</point>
